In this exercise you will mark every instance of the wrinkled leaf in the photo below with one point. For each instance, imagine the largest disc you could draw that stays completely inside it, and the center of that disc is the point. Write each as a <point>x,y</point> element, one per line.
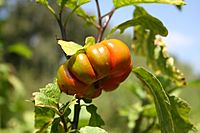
<point>20,49</point>
<point>95,119</point>
<point>89,129</point>
<point>180,113</point>
<point>43,119</point>
<point>49,95</point>
<point>154,49</point>
<point>161,99</point>
<point>46,101</point>
<point>70,48</point>
<point>166,82</point>
<point>145,20</point>
<point>121,3</point>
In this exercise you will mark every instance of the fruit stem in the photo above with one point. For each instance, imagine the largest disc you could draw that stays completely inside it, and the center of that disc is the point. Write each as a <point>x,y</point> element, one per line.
<point>77,109</point>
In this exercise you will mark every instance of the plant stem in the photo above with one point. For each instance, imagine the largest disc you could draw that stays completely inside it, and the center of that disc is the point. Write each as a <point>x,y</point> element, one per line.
<point>62,117</point>
<point>62,28</point>
<point>64,123</point>
<point>99,21</point>
<point>77,109</point>
<point>102,27</point>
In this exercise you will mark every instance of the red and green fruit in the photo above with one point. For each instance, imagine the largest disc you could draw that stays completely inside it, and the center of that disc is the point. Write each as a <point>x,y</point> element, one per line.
<point>102,66</point>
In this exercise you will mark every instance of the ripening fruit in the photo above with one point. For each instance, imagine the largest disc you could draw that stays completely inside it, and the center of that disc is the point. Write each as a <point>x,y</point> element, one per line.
<point>102,66</point>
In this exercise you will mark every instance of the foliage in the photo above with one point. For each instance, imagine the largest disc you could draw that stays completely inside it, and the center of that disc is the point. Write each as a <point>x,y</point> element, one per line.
<point>46,102</point>
<point>49,113</point>
<point>121,3</point>
<point>156,107</point>
<point>169,109</point>
<point>12,104</point>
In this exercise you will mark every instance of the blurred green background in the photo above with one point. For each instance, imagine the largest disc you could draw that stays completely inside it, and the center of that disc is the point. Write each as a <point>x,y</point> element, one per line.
<point>30,56</point>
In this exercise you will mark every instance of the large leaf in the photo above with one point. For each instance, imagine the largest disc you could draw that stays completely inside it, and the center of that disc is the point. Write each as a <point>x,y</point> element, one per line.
<point>43,119</point>
<point>121,3</point>
<point>162,102</point>
<point>146,44</point>
<point>180,113</point>
<point>145,20</point>
<point>89,129</point>
<point>70,48</point>
<point>46,101</point>
<point>95,119</point>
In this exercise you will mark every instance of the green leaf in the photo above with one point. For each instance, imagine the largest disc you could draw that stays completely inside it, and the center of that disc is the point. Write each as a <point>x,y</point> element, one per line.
<point>75,2</point>
<point>88,18</point>
<point>66,107</point>
<point>70,48</point>
<point>180,113</point>
<point>20,49</point>
<point>95,119</point>
<point>75,6</point>
<point>43,119</point>
<point>46,101</point>
<point>89,129</point>
<point>89,41</point>
<point>146,21</point>
<point>56,126</point>
<point>49,95</point>
<point>161,99</point>
<point>145,43</point>
<point>121,3</point>
<point>44,2</point>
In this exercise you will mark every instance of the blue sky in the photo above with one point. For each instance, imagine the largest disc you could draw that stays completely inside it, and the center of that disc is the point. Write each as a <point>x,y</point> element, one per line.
<point>183,40</point>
